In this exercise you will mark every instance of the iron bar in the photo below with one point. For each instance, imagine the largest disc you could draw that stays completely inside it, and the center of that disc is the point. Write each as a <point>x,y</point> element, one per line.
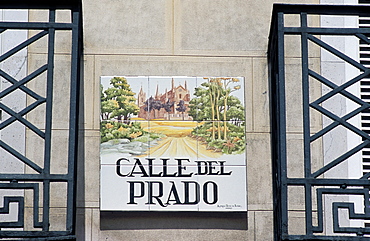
<point>44,178</point>
<point>314,179</point>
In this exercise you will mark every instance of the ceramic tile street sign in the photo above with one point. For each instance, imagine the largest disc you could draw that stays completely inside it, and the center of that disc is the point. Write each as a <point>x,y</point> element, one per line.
<point>172,144</point>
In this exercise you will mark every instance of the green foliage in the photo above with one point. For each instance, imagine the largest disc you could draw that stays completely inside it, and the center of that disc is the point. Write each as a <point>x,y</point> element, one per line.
<point>150,137</point>
<point>222,113</point>
<point>200,107</point>
<point>110,130</point>
<point>113,130</point>
<point>118,100</point>
<point>107,107</point>
<point>235,109</point>
<point>235,144</point>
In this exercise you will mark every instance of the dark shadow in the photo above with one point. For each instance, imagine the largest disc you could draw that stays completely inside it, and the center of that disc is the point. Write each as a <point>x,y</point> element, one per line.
<point>80,214</point>
<point>173,220</point>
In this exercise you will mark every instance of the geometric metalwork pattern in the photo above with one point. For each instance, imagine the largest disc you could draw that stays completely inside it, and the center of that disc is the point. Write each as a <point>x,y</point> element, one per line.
<point>316,188</point>
<point>5,210</point>
<point>35,184</point>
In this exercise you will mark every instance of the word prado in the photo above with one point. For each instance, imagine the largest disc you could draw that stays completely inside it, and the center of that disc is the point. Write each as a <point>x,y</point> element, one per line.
<point>185,192</point>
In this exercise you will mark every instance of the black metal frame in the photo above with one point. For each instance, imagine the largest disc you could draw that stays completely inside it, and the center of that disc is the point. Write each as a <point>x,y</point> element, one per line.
<point>44,177</point>
<point>281,181</point>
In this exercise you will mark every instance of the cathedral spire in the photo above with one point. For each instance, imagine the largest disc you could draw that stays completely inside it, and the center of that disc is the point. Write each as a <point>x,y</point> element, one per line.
<point>186,86</point>
<point>157,93</point>
<point>141,97</point>
<point>141,89</point>
<point>173,84</point>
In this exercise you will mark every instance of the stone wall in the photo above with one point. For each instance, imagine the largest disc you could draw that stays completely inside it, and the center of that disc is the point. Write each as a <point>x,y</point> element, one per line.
<point>177,38</point>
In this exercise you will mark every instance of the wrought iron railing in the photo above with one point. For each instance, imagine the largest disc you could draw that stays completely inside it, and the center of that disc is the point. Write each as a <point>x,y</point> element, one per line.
<point>42,182</point>
<point>318,194</point>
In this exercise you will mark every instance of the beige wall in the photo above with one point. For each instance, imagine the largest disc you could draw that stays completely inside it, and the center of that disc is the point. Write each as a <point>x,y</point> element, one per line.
<point>184,38</point>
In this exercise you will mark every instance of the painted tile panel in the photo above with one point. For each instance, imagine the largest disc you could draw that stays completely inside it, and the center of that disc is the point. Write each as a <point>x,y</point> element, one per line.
<point>171,134</point>
<point>128,140</point>
<point>225,191</point>
<point>216,143</point>
<point>176,142</point>
<point>178,192</point>
<point>118,193</point>
<point>214,95</point>
<point>170,98</point>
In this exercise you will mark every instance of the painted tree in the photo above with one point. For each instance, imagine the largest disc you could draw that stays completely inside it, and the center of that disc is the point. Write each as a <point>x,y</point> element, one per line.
<point>214,102</point>
<point>235,111</point>
<point>152,105</point>
<point>121,97</point>
<point>208,105</point>
<point>199,107</point>
<point>168,106</point>
<point>215,92</point>
<point>107,106</point>
<point>157,105</point>
<point>226,91</point>
<point>181,108</point>
<point>148,104</point>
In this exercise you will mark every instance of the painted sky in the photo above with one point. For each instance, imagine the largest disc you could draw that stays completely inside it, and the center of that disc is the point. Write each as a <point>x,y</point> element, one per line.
<point>150,83</point>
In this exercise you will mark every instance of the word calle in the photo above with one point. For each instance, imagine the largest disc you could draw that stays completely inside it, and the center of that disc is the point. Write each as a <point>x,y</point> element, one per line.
<point>203,168</point>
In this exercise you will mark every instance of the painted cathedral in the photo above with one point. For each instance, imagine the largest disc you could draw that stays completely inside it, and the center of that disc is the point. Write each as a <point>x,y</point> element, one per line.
<point>172,105</point>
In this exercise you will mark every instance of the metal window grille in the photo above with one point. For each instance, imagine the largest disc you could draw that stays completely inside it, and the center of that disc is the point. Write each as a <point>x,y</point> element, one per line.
<point>43,194</point>
<point>302,196</point>
<point>364,22</point>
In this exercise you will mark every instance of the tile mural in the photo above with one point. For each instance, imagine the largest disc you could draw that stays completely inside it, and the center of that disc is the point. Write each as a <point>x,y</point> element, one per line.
<point>200,120</point>
<point>188,111</point>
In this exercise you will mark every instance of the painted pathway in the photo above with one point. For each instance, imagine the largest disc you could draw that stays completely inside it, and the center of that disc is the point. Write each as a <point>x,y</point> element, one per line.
<point>182,147</point>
